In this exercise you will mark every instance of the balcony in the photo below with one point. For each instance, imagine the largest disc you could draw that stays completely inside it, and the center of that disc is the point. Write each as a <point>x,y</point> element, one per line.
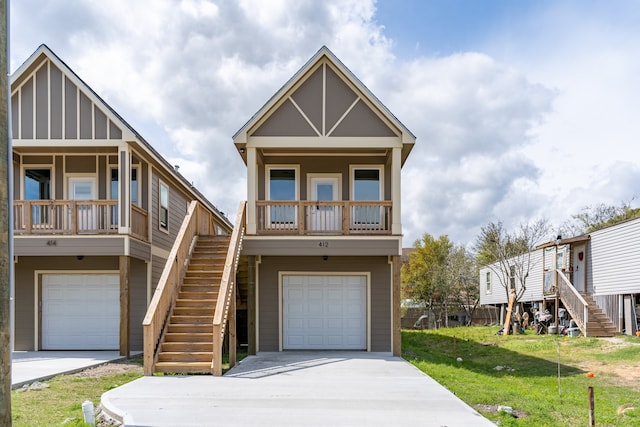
<point>74,217</point>
<point>323,217</point>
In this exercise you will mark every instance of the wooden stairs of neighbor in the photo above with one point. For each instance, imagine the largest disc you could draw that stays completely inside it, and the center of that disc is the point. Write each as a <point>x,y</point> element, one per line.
<point>187,344</point>
<point>598,324</point>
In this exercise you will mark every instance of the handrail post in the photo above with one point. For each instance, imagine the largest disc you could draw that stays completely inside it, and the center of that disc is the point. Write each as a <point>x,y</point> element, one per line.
<point>216,363</point>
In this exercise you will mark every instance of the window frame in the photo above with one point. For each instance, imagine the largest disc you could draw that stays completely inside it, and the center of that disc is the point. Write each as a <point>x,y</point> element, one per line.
<point>352,179</point>
<point>23,184</point>
<point>166,208</point>
<point>488,282</point>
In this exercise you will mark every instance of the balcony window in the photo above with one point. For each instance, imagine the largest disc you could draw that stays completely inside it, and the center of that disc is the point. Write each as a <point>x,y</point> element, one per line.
<point>282,186</point>
<point>134,185</point>
<point>367,186</point>
<point>37,184</point>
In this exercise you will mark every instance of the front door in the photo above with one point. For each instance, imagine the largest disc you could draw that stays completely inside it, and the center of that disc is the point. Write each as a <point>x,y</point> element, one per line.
<point>324,215</point>
<point>81,189</point>
<point>579,255</point>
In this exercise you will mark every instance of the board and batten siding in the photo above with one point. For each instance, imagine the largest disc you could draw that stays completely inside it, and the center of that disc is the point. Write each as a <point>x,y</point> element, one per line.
<point>177,211</point>
<point>138,302</point>
<point>498,294</point>
<point>613,260</point>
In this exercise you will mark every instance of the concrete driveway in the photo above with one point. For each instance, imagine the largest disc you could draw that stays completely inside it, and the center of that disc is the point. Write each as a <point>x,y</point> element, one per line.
<point>295,389</point>
<point>29,366</point>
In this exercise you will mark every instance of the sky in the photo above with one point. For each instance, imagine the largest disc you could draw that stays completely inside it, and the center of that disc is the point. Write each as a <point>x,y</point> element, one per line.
<point>522,110</point>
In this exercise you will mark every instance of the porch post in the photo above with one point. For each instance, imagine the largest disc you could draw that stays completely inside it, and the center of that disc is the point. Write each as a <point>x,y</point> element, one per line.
<point>125,272</point>
<point>252,189</point>
<point>396,316</point>
<point>124,190</point>
<point>396,166</point>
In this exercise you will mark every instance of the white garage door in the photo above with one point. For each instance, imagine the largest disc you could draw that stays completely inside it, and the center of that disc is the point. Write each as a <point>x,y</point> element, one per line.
<point>80,312</point>
<point>324,312</point>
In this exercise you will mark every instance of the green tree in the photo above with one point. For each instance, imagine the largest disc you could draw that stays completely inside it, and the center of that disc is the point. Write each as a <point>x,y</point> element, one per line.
<point>597,217</point>
<point>440,274</point>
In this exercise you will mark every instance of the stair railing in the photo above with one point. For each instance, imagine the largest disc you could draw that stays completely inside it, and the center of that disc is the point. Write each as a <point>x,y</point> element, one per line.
<point>165,294</point>
<point>573,301</point>
<point>226,304</point>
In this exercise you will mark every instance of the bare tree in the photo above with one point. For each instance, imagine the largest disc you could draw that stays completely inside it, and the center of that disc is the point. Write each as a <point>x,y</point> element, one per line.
<point>509,254</point>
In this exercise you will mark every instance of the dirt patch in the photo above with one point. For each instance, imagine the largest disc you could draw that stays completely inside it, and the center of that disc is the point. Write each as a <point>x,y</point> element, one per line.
<point>111,368</point>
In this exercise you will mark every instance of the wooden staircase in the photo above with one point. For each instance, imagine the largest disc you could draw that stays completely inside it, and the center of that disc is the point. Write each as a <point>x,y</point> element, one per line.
<point>187,344</point>
<point>598,324</point>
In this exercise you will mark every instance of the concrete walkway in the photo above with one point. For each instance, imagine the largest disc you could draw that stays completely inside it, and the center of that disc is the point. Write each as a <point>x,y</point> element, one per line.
<point>295,389</point>
<point>30,366</point>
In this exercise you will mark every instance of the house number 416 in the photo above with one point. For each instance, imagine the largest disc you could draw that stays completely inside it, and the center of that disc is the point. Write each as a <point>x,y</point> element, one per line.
<point>323,244</point>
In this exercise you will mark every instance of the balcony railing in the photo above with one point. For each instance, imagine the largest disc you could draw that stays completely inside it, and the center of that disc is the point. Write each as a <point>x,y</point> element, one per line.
<point>74,217</point>
<point>323,217</point>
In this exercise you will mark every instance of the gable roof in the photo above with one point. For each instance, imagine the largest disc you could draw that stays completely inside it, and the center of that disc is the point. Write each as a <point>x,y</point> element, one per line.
<point>127,132</point>
<point>385,122</point>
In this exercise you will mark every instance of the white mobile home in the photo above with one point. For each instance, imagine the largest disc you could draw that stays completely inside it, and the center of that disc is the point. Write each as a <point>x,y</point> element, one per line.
<point>592,275</point>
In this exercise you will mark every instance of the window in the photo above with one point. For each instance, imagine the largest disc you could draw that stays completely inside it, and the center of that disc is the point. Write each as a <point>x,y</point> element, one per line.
<point>37,184</point>
<point>559,260</point>
<point>282,186</point>
<point>512,277</point>
<point>163,211</point>
<point>488,280</point>
<point>366,186</point>
<point>134,185</point>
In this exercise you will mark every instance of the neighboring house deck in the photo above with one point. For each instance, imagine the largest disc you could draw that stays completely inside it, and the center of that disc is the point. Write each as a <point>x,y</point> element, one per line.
<point>96,212</point>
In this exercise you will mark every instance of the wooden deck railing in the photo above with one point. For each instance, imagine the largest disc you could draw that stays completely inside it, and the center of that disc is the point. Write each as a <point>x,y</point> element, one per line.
<point>226,304</point>
<point>577,307</point>
<point>72,217</point>
<point>306,217</point>
<point>197,221</point>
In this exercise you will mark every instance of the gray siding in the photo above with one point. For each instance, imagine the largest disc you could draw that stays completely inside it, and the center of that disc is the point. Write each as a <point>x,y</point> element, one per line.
<point>46,246</point>
<point>157,267</point>
<point>138,302</point>
<point>269,323</point>
<point>24,288</point>
<point>177,211</point>
<point>613,259</point>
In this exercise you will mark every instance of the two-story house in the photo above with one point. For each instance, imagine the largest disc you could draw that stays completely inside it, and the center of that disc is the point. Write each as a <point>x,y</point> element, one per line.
<point>96,212</point>
<point>323,232</point>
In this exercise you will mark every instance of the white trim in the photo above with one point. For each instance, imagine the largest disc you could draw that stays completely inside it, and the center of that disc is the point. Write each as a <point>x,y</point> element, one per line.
<point>352,172</point>
<point>24,167</point>
<point>36,300</point>
<point>295,104</point>
<point>267,178</point>
<point>391,287</point>
<point>353,104</point>
<point>159,252</point>
<point>367,276</point>
<point>334,142</point>
<point>258,262</point>
<point>332,176</point>
<point>73,177</point>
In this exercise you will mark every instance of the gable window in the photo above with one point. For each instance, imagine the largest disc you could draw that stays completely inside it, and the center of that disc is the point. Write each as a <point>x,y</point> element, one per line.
<point>366,185</point>
<point>163,207</point>
<point>488,282</point>
<point>282,186</point>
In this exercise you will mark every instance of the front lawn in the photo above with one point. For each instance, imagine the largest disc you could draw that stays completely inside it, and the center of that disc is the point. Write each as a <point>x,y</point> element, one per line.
<point>542,378</point>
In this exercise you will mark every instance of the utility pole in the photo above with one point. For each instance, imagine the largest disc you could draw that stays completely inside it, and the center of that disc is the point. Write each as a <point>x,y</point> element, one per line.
<point>5,282</point>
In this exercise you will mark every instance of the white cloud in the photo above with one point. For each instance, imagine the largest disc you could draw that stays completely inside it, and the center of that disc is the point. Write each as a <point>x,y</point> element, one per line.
<point>510,138</point>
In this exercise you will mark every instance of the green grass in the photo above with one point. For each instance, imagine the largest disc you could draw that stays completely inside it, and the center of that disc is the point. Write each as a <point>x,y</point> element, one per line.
<point>63,399</point>
<point>528,381</point>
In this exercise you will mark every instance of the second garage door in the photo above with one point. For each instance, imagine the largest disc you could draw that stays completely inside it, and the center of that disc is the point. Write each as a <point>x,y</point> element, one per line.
<point>324,312</point>
<point>80,312</point>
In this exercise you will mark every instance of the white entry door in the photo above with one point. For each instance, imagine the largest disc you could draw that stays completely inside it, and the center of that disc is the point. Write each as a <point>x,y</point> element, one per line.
<point>84,189</point>
<point>325,217</point>
<point>324,312</point>
<point>80,311</point>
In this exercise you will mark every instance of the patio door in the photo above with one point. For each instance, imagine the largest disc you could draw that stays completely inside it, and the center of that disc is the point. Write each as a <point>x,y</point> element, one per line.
<point>81,189</point>
<point>579,268</point>
<point>325,217</point>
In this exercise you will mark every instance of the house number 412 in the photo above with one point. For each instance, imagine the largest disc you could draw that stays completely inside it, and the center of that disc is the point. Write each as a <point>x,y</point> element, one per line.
<point>323,244</point>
